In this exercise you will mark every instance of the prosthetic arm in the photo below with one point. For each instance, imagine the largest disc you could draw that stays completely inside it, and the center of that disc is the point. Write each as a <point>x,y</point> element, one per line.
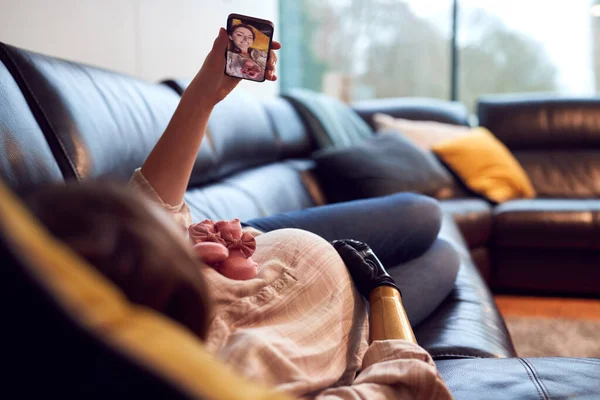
<point>387,319</point>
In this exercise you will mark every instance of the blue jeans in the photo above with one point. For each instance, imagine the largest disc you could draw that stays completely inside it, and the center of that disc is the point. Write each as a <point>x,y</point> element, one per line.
<point>401,229</point>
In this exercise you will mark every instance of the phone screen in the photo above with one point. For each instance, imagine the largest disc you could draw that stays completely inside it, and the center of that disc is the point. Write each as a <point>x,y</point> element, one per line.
<point>249,46</point>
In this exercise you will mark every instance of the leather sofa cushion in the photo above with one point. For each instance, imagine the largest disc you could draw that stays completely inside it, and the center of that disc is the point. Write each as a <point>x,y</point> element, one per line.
<point>414,109</point>
<point>292,137</point>
<point>26,160</point>
<point>548,223</point>
<point>220,201</point>
<point>275,188</point>
<point>241,136</point>
<point>473,217</point>
<point>467,324</point>
<point>103,124</point>
<point>522,378</point>
<point>253,193</point>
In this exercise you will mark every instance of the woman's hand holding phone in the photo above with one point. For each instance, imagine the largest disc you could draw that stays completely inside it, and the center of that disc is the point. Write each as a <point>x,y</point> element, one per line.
<point>211,84</point>
<point>169,166</point>
<point>249,54</point>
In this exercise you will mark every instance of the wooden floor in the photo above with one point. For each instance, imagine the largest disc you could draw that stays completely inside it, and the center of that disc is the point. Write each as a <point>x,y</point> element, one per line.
<point>549,307</point>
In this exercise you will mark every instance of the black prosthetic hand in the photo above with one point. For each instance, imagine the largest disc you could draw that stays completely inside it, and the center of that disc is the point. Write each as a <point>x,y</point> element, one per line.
<point>367,271</point>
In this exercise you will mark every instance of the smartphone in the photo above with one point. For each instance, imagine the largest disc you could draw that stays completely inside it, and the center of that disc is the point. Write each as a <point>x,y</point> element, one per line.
<point>249,47</point>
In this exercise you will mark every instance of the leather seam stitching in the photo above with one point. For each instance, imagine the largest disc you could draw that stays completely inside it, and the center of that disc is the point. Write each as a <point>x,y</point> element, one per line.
<point>532,379</point>
<point>537,378</point>
<point>455,355</point>
<point>45,116</point>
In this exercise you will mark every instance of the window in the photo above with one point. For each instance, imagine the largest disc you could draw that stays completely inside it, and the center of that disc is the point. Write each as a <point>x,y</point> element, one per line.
<point>357,49</point>
<point>512,46</point>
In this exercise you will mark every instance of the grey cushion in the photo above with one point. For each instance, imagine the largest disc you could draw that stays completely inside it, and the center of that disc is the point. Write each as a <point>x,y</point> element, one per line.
<point>381,165</point>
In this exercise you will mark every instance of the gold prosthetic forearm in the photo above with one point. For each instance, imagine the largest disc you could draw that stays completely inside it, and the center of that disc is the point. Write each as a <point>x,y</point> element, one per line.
<point>388,320</point>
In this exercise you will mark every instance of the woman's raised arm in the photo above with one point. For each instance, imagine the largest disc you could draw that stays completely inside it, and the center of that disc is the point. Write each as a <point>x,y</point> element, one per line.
<point>169,165</point>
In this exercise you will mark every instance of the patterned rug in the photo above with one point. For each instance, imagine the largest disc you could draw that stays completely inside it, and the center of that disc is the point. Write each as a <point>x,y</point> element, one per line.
<point>548,337</point>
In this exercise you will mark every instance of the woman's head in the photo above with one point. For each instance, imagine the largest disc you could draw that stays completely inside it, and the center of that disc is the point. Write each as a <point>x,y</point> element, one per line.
<point>132,243</point>
<point>241,37</point>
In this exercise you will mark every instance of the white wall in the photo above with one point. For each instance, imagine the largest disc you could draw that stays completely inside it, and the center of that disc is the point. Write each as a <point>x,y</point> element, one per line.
<point>151,39</point>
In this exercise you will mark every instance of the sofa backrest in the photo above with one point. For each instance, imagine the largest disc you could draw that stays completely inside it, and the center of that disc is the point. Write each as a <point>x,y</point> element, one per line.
<point>98,123</point>
<point>25,156</point>
<point>244,133</point>
<point>290,136</point>
<point>253,162</point>
<point>556,140</point>
<point>90,123</point>
<point>416,109</point>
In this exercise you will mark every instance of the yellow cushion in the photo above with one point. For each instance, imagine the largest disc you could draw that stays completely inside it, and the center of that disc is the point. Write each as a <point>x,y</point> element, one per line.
<point>95,303</point>
<point>485,166</point>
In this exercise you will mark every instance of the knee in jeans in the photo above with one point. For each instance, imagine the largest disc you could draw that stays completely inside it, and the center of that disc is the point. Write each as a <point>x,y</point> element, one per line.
<point>425,213</point>
<point>447,257</point>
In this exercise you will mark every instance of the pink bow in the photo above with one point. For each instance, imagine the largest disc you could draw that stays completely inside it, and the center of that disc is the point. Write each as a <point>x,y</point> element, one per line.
<point>247,243</point>
<point>205,232</point>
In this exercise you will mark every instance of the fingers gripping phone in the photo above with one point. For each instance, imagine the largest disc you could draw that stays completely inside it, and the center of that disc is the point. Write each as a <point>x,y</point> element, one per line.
<point>249,47</point>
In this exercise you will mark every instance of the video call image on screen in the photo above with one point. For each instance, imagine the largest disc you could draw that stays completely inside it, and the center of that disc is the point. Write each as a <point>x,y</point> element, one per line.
<point>248,49</point>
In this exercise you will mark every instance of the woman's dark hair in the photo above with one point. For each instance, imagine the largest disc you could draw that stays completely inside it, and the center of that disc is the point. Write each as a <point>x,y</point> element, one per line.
<point>234,48</point>
<point>114,229</point>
